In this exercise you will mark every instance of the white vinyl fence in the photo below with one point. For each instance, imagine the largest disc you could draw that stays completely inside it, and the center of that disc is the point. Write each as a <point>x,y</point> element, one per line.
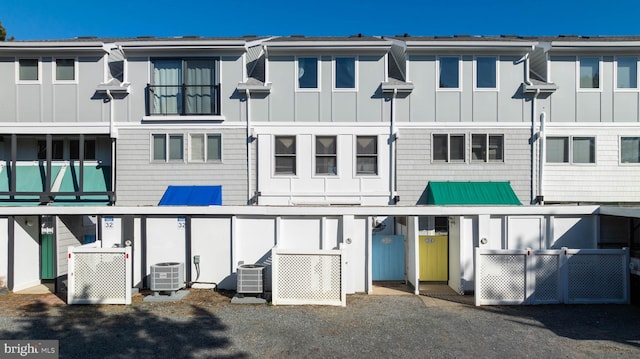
<point>571,276</point>
<point>308,277</point>
<point>99,275</point>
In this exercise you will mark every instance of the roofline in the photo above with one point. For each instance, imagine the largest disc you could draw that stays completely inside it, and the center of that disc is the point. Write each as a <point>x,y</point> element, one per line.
<point>594,45</point>
<point>51,45</point>
<point>413,46</point>
<point>311,44</point>
<point>182,45</point>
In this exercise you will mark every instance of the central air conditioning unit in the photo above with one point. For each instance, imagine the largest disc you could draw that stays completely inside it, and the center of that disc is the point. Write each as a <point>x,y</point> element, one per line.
<point>167,277</point>
<point>250,279</point>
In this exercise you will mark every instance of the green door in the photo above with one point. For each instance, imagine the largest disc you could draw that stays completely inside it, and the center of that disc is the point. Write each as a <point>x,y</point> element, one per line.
<point>47,256</point>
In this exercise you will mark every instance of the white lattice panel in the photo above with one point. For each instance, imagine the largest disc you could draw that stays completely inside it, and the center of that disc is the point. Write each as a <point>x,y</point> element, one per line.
<point>307,278</point>
<point>99,276</point>
<point>547,288</point>
<point>596,277</point>
<point>502,278</point>
<point>552,276</point>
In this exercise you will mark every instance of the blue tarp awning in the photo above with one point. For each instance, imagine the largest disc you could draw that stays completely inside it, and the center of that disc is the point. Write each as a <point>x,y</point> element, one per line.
<point>192,196</point>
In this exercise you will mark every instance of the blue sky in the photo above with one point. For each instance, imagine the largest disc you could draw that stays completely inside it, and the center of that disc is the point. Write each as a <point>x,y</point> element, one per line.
<point>46,19</point>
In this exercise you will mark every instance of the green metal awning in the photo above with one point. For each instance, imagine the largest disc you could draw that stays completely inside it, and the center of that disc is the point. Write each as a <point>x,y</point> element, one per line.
<point>471,193</point>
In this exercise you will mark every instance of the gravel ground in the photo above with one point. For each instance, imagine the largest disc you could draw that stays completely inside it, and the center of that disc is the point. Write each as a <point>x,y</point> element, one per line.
<point>206,325</point>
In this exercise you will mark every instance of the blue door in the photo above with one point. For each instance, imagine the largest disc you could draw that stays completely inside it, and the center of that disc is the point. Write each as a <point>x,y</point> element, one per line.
<point>387,257</point>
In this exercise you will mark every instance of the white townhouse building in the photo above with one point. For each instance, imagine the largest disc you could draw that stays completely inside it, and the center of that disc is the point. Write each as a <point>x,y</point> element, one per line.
<point>316,143</point>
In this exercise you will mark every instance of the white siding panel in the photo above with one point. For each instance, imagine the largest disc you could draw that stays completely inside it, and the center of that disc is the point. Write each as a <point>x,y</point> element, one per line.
<point>211,240</point>
<point>26,270</point>
<point>605,181</point>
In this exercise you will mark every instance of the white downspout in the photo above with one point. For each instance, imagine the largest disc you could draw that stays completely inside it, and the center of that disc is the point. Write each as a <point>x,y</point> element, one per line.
<point>392,157</point>
<point>249,140</point>
<point>543,154</point>
<point>112,135</point>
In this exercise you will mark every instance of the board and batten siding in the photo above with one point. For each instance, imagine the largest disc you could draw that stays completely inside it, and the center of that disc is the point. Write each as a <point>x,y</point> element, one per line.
<point>415,167</point>
<point>286,104</point>
<point>428,104</point>
<point>571,104</point>
<point>606,180</point>
<point>141,181</point>
<point>49,101</point>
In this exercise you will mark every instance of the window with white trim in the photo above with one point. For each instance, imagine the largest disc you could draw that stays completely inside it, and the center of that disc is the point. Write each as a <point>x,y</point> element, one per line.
<point>627,72</point>
<point>449,72</point>
<point>366,155</point>
<point>589,72</point>
<point>28,70</point>
<point>307,73</point>
<point>205,147</point>
<point>630,149</point>
<point>487,148</point>
<point>326,155</point>
<point>448,148</point>
<point>486,72</point>
<point>65,69</point>
<point>285,155</point>
<point>168,147</point>
<point>345,73</point>
<point>575,149</point>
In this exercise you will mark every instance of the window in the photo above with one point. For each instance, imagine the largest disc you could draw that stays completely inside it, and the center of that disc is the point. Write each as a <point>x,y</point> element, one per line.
<point>571,149</point>
<point>209,150</point>
<point>183,87</point>
<point>168,146</point>
<point>487,148</point>
<point>589,73</point>
<point>28,70</point>
<point>89,149</point>
<point>448,148</point>
<point>307,73</point>
<point>584,150</point>
<point>557,149</point>
<point>630,150</point>
<point>486,74</point>
<point>326,155</point>
<point>345,68</point>
<point>57,150</point>
<point>367,155</point>
<point>627,72</point>
<point>449,73</point>
<point>285,155</point>
<point>65,69</point>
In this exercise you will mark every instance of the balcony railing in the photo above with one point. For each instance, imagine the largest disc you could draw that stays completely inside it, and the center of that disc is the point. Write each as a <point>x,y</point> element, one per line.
<point>183,100</point>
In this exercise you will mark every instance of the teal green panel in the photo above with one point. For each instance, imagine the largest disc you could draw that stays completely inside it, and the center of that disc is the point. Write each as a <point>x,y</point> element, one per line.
<point>97,178</point>
<point>471,193</point>
<point>47,255</point>
<point>28,179</point>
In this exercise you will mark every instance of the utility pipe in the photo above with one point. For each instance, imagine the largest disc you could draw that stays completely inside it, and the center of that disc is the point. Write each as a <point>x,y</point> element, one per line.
<point>392,157</point>
<point>543,154</point>
<point>249,140</point>
<point>112,136</point>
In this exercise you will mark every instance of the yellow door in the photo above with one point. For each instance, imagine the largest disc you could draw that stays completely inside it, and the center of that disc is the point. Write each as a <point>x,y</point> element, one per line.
<point>433,258</point>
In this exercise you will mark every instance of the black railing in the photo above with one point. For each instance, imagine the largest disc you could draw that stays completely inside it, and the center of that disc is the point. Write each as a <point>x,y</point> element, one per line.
<point>183,100</point>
